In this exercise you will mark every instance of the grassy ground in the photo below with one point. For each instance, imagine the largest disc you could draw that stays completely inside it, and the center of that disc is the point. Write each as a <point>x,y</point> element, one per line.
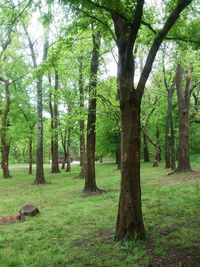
<point>75,230</point>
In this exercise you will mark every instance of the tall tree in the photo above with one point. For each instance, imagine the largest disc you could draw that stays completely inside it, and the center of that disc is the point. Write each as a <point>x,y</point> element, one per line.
<point>82,121</point>
<point>90,178</point>
<point>53,106</point>
<point>4,112</point>
<point>128,18</point>
<point>183,111</point>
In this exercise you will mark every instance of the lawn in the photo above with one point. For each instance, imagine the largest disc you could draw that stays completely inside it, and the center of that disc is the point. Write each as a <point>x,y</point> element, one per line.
<point>74,229</point>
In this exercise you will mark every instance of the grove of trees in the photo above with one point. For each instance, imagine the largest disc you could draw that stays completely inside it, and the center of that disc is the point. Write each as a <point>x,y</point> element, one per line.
<point>95,79</point>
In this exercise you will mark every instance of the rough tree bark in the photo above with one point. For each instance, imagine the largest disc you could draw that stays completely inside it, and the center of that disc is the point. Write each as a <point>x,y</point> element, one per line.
<point>53,106</point>
<point>183,112</point>
<point>90,179</point>
<point>4,126</point>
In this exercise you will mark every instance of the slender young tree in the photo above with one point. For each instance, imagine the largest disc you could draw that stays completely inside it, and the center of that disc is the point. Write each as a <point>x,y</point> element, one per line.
<point>4,127</point>
<point>183,112</point>
<point>90,178</point>
<point>53,106</point>
<point>82,121</point>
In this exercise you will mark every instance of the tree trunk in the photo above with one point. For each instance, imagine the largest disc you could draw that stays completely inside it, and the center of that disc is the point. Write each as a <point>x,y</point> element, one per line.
<point>68,168</point>
<point>167,140</point>
<point>39,178</point>
<point>54,127</point>
<point>183,112</point>
<point>173,157</point>
<point>118,150</point>
<point>146,149</point>
<point>30,170</point>
<point>129,219</point>
<point>90,179</point>
<point>82,122</point>
<point>4,127</point>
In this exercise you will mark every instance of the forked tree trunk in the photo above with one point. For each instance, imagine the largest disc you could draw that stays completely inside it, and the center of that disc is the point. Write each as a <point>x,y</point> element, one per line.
<point>90,178</point>
<point>30,169</point>
<point>4,127</point>
<point>129,219</point>
<point>183,112</point>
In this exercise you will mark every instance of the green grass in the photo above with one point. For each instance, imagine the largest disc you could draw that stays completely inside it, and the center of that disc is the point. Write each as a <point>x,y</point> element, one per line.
<point>77,230</point>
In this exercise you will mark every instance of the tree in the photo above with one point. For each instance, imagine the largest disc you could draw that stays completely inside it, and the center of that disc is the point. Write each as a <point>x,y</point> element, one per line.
<point>128,18</point>
<point>183,111</point>
<point>4,126</point>
<point>90,179</point>
<point>53,107</point>
<point>39,179</point>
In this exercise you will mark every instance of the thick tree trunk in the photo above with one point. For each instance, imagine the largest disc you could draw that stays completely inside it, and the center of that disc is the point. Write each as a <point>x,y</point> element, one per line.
<point>90,179</point>
<point>118,150</point>
<point>39,178</point>
<point>30,169</point>
<point>183,112</point>
<point>146,149</point>
<point>4,127</point>
<point>129,219</point>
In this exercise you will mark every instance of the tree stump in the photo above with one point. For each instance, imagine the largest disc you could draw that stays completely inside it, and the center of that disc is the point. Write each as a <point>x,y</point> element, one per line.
<point>29,210</point>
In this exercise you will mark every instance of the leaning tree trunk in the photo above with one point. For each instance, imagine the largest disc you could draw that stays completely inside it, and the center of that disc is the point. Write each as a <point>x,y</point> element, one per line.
<point>183,112</point>
<point>39,178</point>
<point>4,127</point>
<point>90,179</point>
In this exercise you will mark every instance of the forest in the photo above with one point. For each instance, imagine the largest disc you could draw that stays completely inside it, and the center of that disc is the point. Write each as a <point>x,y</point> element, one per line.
<point>100,133</point>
